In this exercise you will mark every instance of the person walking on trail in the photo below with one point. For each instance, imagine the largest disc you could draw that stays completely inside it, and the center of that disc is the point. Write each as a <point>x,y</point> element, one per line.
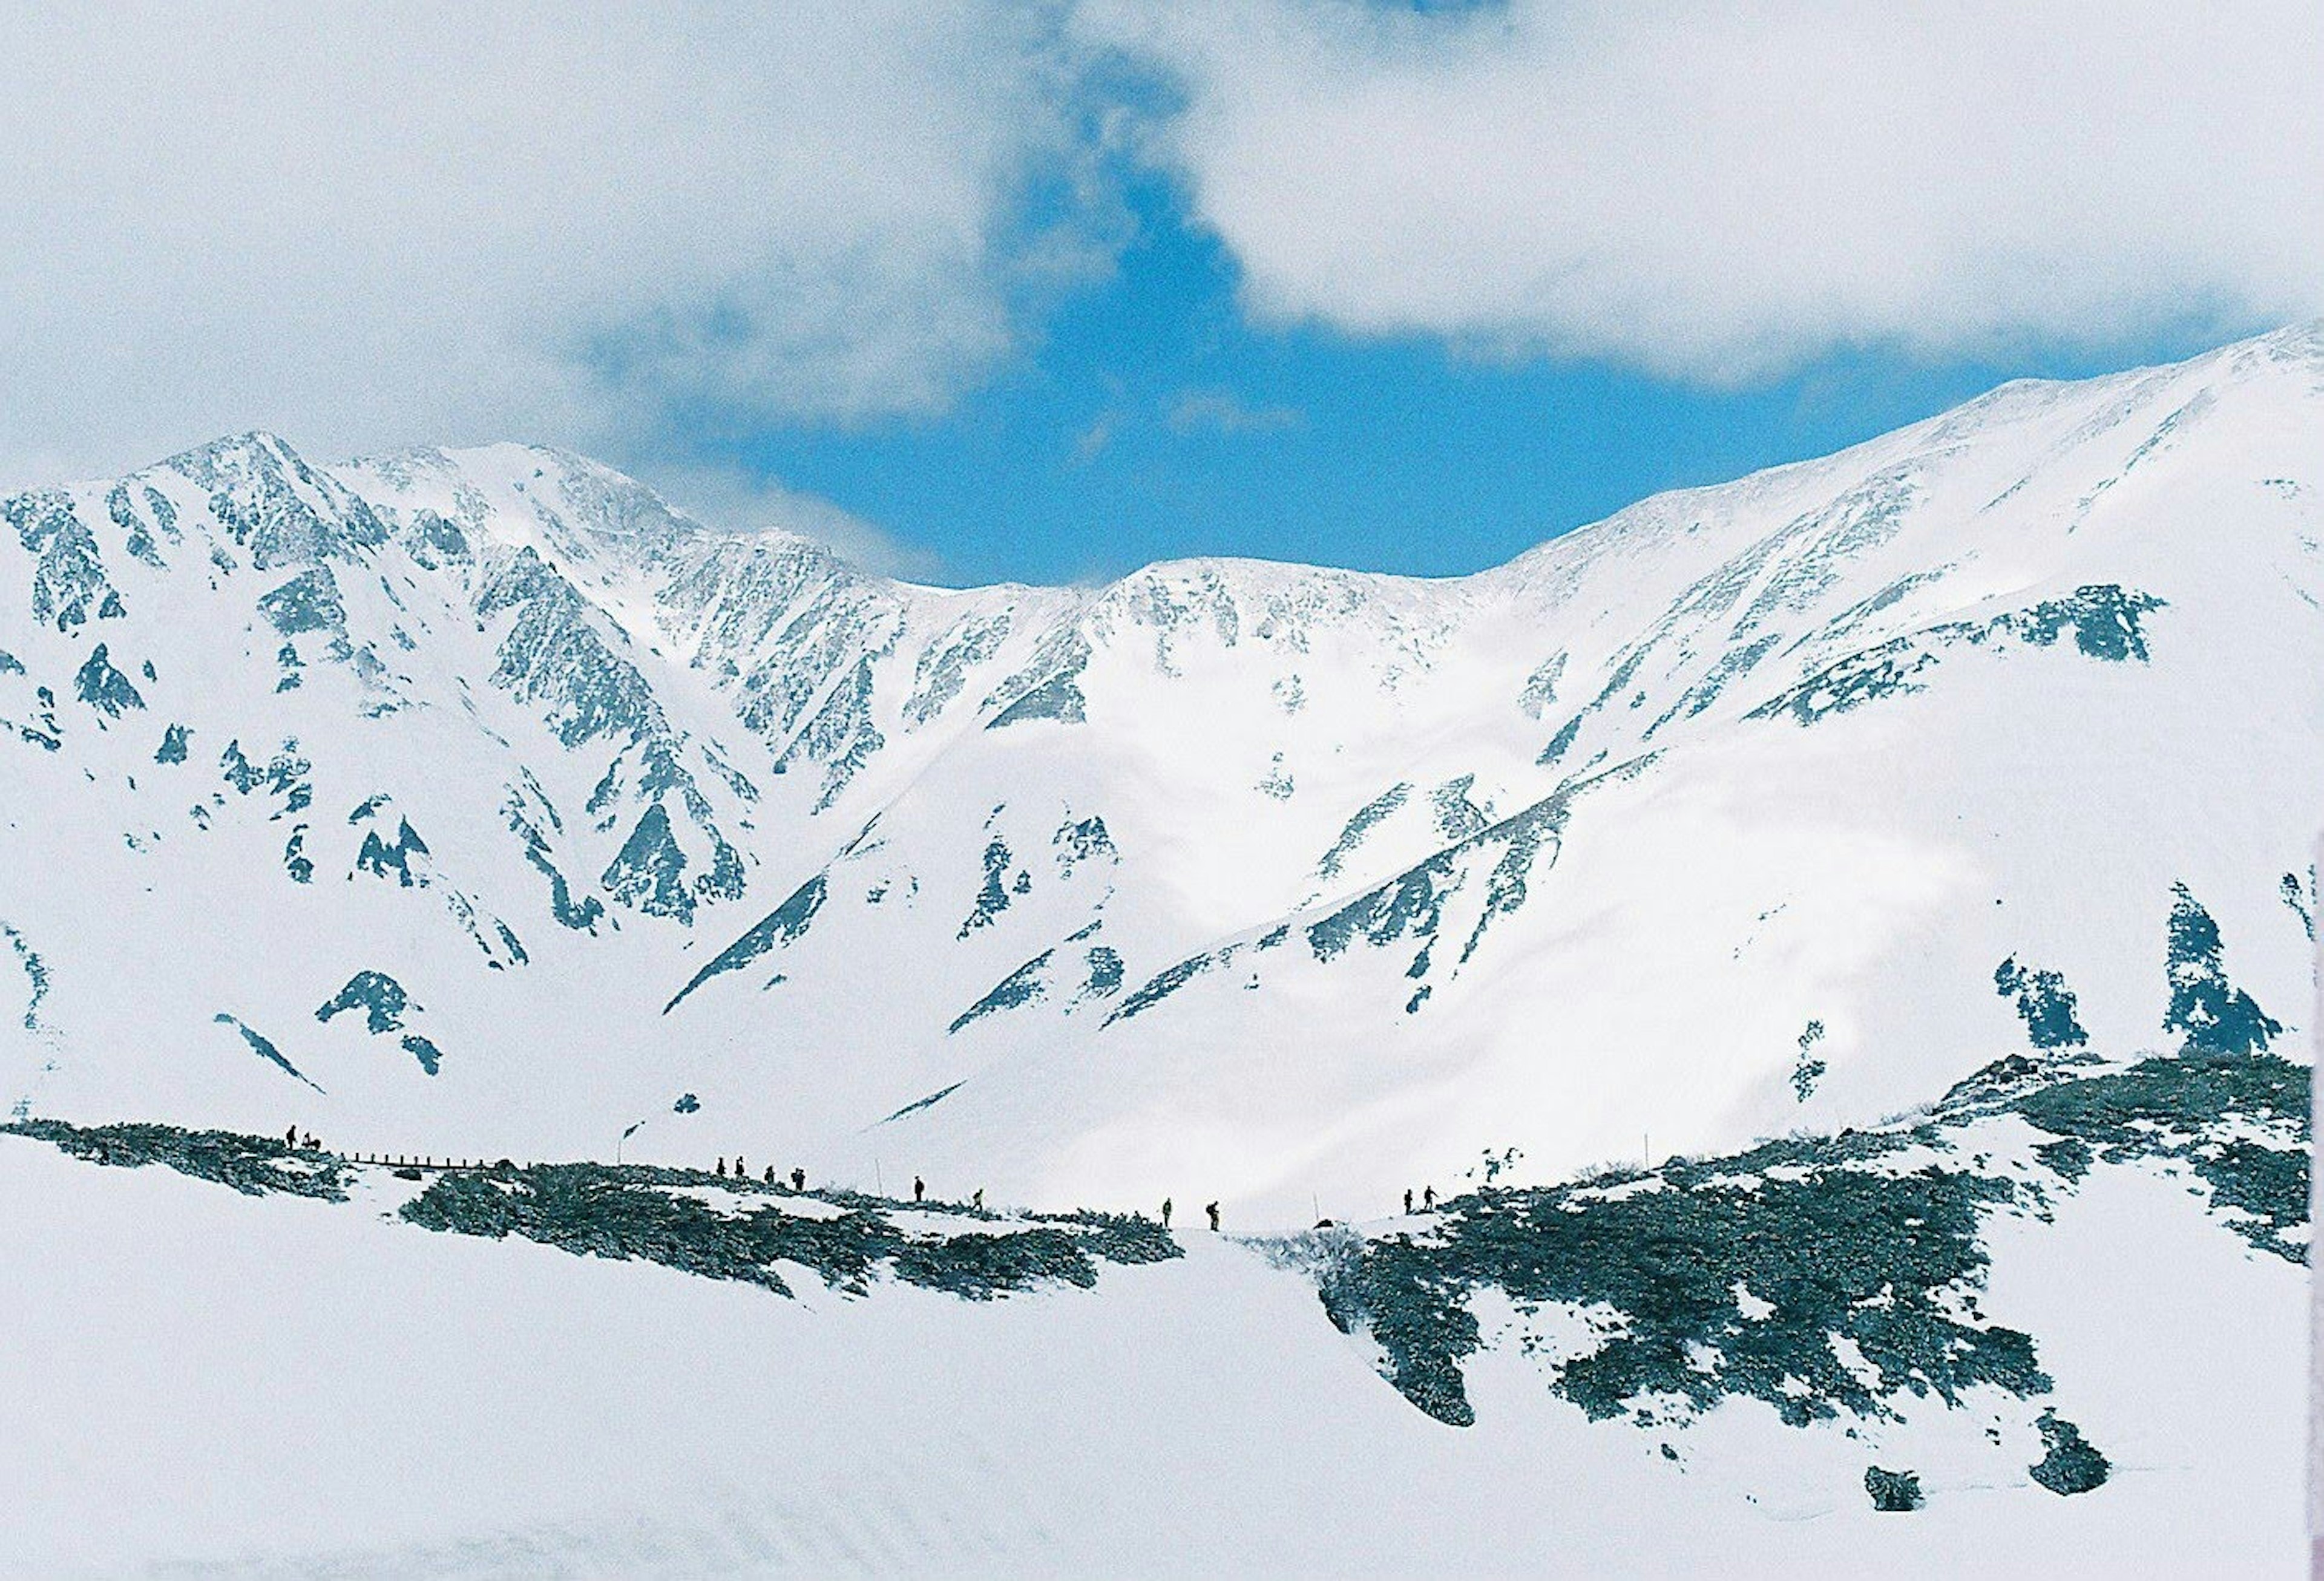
<point>1213,1211</point>
<point>1407,1201</point>
<point>722,1167</point>
<point>920,1190</point>
<point>741,1173</point>
<point>799,1179</point>
<point>1428,1197</point>
<point>977,1202</point>
<point>1165,1213</point>
<point>770,1174</point>
<point>291,1137</point>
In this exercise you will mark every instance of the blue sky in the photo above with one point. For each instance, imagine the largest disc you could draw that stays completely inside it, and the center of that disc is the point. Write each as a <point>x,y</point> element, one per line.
<point>1147,418</point>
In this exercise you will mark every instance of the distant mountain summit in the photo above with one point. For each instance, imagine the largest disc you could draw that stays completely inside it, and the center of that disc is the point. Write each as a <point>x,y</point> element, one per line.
<point>477,802</point>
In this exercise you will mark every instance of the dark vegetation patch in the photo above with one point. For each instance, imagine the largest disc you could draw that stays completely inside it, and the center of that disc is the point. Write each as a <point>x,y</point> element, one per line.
<point>2103,618</point>
<point>379,858</point>
<point>992,896</point>
<point>1160,986</point>
<point>1106,968</point>
<point>1807,1070</point>
<point>979,1266</point>
<point>2044,1003</point>
<point>630,1211</point>
<point>1359,825</point>
<point>1991,1088</point>
<point>783,925</point>
<point>1893,1491</point>
<point>103,687</point>
<point>1060,698</point>
<point>1838,1251</point>
<point>2069,1157</point>
<point>1411,905</point>
<point>642,1211</point>
<point>2070,1465</point>
<point>1018,988</point>
<point>918,1104</point>
<point>378,996</point>
<point>1128,1238</point>
<point>263,1047</point>
<point>1852,1250</point>
<point>2189,1108</point>
<point>2215,1016</point>
<point>254,1165</point>
<point>2170,1106</point>
<point>430,1057</point>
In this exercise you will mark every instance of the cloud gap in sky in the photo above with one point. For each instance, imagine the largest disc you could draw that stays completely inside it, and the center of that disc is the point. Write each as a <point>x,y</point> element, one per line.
<point>652,237</point>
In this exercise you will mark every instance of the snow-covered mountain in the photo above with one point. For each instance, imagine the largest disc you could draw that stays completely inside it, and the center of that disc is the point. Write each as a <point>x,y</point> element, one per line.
<point>1907,852</point>
<point>475,803</point>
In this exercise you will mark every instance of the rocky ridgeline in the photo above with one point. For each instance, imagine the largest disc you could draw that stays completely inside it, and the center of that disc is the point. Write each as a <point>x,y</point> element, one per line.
<point>636,1210</point>
<point>252,1165</point>
<point>717,1225</point>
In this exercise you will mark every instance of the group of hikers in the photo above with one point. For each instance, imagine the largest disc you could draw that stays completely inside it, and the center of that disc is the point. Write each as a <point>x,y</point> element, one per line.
<point>1211,1207</point>
<point>742,1172</point>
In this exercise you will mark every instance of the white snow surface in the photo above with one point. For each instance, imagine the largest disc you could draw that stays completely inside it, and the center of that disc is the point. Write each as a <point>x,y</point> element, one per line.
<point>276,1387</point>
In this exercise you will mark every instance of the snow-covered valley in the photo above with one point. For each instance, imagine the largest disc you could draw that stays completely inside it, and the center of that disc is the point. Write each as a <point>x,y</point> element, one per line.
<point>1971,1343</point>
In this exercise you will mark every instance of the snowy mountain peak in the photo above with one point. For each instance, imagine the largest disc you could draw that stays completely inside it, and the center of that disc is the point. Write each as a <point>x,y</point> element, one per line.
<point>1712,819</point>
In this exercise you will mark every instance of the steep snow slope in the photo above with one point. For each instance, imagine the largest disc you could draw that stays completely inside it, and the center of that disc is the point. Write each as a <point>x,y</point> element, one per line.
<point>474,803</point>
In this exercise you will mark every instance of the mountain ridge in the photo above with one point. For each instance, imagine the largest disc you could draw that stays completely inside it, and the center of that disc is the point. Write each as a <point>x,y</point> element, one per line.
<point>610,746</point>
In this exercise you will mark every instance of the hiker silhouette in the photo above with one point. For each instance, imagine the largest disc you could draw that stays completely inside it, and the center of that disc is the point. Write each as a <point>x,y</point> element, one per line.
<point>1407,1199</point>
<point>1428,1197</point>
<point>1165,1213</point>
<point>770,1174</point>
<point>722,1167</point>
<point>978,1201</point>
<point>920,1190</point>
<point>1213,1211</point>
<point>798,1179</point>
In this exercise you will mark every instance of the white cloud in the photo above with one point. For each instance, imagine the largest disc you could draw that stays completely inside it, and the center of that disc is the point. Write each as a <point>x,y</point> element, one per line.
<point>1091,442</point>
<point>739,500</point>
<point>1716,189</point>
<point>644,232</point>
<point>368,226</point>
